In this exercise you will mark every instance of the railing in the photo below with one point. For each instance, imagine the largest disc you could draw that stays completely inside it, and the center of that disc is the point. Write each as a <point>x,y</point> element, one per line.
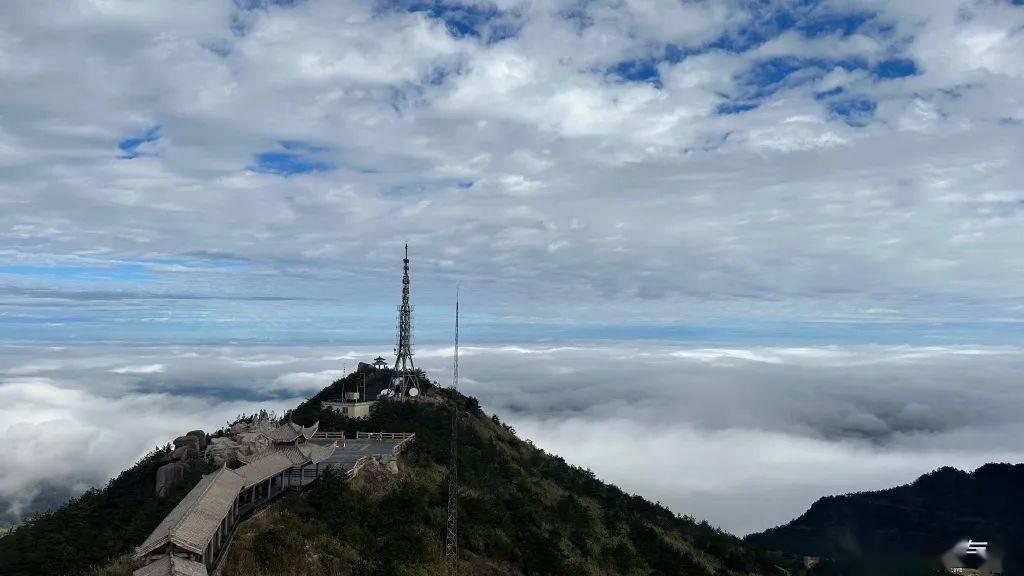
<point>385,435</point>
<point>329,436</point>
<point>357,467</point>
<point>397,448</point>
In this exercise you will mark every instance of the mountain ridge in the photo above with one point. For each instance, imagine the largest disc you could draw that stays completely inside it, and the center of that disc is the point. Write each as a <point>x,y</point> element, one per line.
<point>905,529</point>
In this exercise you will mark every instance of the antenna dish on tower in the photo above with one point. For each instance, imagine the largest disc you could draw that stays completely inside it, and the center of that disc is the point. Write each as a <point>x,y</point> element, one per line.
<point>414,391</point>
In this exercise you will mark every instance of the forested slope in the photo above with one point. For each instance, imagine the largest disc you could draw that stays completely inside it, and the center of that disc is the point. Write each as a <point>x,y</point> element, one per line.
<point>904,530</point>
<point>522,511</point>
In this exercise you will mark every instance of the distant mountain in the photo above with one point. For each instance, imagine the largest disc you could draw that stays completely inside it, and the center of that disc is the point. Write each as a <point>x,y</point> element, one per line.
<point>905,530</point>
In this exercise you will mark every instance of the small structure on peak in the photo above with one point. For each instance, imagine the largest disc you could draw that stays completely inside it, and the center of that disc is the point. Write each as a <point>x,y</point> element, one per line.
<point>353,403</point>
<point>380,363</point>
<point>347,408</point>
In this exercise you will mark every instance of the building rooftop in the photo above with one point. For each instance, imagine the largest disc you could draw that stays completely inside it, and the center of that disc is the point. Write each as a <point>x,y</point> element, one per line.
<point>172,566</point>
<point>265,465</point>
<point>272,462</point>
<point>193,522</point>
<point>290,432</point>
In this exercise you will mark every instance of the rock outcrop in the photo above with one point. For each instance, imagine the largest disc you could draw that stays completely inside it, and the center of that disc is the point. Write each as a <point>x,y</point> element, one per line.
<point>174,464</point>
<point>223,450</point>
<point>200,436</point>
<point>169,476</point>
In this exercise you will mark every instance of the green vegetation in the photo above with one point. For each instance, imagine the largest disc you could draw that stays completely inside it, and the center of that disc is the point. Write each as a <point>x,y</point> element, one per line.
<point>522,511</point>
<point>902,531</point>
<point>95,527</point>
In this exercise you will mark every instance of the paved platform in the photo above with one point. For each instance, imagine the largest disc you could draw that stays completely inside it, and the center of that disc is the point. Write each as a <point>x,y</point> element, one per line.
<point>351,450</point>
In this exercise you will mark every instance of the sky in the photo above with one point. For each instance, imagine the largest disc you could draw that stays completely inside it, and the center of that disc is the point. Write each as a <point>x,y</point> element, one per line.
<point>731,179</point>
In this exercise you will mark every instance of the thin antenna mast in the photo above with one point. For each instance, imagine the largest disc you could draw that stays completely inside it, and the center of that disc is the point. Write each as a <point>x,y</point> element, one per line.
<point>451,543</point>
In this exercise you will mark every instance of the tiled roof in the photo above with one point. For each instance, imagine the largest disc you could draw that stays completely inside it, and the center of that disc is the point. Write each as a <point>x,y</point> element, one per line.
<point>193,522</point>
<point>172,566</point>
<point>272,462</point>
<point>318,452</point>
<point>290,432</point>
<point>265,465</point>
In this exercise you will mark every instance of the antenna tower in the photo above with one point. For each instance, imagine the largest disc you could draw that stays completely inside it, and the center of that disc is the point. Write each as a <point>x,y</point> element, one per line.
<point>403,348</point>
<point>451,542</point>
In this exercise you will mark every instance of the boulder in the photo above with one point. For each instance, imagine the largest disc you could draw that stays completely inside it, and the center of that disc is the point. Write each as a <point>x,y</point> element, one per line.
<point>191,441</point>
<point>201,436</point>
<point>180,454</point>
<point>223,450</point>
<point>168,476</point>
<point>379,475</point>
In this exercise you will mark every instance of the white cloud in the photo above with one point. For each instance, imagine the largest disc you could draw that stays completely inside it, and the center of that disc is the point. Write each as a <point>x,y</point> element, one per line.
<point>746,437</point>
<point>568,190</point>
<point>143,369</point>
<point>307,382</point>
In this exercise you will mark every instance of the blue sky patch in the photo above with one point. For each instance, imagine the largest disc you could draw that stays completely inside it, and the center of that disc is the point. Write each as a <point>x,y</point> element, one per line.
<point>638,70</point>
<point>895,68</point>
<point>829,93</point>
<point>130,146</point>
<point>853,111</point>
<point>734,107</point>
<point>297,157</point>
<point>808,17</point>
<point>768,76</point>
<point>482,21</point>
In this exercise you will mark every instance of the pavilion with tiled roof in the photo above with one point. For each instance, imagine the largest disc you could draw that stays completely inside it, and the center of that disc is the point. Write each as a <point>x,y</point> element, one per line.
<point>198,526</point>
<point>192,536</point>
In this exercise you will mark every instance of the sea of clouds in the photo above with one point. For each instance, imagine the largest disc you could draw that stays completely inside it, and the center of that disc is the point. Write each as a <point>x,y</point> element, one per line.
<point>744,437</point>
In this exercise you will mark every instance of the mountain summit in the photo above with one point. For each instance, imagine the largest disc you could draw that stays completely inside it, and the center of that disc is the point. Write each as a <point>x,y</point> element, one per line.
<point>521,511</point>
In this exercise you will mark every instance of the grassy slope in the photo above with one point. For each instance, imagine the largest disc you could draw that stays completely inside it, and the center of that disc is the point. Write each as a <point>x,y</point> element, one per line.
<point>522,512</point>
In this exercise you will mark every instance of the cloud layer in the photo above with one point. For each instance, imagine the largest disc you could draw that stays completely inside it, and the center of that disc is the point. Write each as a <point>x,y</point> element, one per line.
<point>744,437</point>
<point>249,169</point>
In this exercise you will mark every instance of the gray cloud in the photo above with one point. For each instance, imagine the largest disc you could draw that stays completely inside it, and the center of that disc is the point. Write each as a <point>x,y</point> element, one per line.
<point>522,167</point>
